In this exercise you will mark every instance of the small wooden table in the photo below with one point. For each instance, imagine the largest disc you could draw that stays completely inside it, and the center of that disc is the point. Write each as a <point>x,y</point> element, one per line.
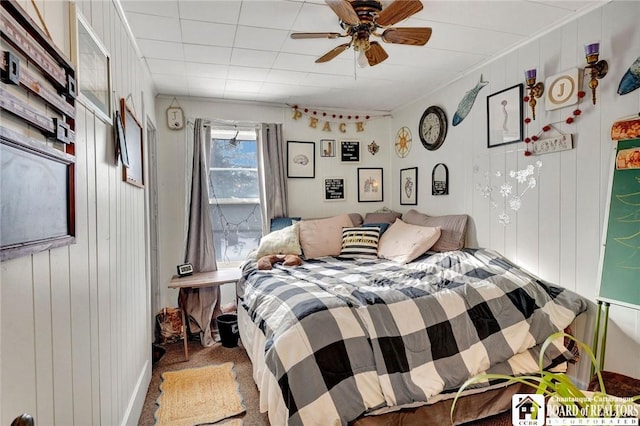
<point>200,280</point>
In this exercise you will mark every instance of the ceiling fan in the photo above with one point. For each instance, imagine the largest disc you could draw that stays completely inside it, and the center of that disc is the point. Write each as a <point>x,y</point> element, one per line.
<point>361,19</point>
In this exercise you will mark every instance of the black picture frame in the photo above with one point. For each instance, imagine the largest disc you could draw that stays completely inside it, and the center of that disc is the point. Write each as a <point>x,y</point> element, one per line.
<point>505,112</point>
<point>350,151</point>
<point>409,186</point>
<point>440,179</point>
<point>301,159</point>
<point>327,148</point>
<point>370,184</point>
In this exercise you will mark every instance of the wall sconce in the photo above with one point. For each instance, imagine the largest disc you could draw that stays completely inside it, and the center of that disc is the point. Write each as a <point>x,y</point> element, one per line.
<point>597,69</point>
<point>535,90</point>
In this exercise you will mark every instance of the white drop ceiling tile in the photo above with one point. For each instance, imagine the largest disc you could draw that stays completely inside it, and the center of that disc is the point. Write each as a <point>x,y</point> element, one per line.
<point>161,50</point>
<point>286,77</point>
<point>242,86</point>
<point>197,69</point>
<point>177,84</point>
<point>207,54</point>
<point>253,14</point>
<point>475,40</point>
<point>165,66</point>
<point>317,18</point>
<point>199,86</point>
<point>167,8</point>
<point>155,27</point>
<point>330,81</point>
<point>207,33</point>
<point>260,38</point>
<point>223,12</point>
<point>248,73</point>
<point>253,58</point>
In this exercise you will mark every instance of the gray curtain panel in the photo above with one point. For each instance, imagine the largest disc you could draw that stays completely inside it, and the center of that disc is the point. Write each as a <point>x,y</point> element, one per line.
<point>272,157</point>
<point>202,305</point>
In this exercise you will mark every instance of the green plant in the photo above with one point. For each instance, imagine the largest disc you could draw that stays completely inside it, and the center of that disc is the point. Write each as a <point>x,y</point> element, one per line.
<point>559,388</point>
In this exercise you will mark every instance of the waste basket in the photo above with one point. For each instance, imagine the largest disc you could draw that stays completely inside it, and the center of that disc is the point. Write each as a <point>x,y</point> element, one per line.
<point>228,329</point>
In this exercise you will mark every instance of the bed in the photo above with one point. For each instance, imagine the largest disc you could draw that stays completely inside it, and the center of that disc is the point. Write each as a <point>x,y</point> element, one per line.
<point>336,338</point>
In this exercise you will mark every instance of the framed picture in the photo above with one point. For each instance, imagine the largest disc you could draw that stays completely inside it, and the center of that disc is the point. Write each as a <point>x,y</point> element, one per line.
<point>334,189</point>
<point>409,186</point>
<point>93,65</point>
<point>370,184</point>
<point>504,116</point>
<point>134,173</point>
<point>121,142</point>
<point>350,151</point>
<point>440,179</point>
<point>327,148</point>
<point>301,159</point>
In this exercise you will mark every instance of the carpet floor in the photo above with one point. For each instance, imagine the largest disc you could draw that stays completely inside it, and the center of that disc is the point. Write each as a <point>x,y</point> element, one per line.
<point>199,356</point>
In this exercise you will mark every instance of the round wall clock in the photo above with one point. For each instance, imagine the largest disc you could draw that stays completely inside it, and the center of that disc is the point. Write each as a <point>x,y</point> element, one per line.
<point>403,142</point>
<point>433,128</point>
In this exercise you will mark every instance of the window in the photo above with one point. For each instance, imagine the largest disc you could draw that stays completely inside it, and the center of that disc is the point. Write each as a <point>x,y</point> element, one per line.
<point>234,194</point>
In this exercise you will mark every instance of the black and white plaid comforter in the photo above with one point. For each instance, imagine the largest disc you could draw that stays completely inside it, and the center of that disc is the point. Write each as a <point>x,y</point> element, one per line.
<point>344,337</point>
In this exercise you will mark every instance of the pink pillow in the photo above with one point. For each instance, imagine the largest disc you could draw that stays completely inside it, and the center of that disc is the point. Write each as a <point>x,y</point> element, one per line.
<point>403,242</point>
<point>323,237</point>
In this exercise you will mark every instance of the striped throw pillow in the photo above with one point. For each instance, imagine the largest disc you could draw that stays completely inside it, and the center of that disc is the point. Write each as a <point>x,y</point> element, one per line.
<point>360,242</point>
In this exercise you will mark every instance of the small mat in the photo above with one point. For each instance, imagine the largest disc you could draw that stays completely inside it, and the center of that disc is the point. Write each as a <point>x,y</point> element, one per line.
<point>199,395</point>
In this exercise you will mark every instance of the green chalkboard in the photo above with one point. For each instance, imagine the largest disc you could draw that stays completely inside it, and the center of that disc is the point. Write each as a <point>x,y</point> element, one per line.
<point>620,280</point>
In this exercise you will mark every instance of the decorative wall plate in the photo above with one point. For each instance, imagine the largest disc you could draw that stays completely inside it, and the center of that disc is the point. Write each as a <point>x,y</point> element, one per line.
<point>403,142</point>
<point>562,89</point>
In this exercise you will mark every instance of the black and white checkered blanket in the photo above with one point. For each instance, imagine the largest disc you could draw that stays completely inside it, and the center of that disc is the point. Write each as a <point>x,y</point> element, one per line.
<point>344,337</point>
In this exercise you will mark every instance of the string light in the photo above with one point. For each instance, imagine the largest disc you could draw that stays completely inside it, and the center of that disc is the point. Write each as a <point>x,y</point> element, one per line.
<point>570,119</point>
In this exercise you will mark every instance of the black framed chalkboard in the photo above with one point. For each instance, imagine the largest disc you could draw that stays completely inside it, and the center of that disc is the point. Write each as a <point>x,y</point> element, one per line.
<point>620,278</point>
<point>334,189</point>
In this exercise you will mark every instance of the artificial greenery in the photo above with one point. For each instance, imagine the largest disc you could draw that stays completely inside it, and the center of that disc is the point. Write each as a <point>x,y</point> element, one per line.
<point>560,387</point>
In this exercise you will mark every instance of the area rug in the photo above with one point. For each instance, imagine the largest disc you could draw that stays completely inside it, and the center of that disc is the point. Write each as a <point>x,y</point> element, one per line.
<point>198,395</point>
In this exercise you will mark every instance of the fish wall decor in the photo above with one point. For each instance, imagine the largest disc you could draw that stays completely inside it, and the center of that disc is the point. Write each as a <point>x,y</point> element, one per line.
<point>631,79</point>
<point>464,107</point>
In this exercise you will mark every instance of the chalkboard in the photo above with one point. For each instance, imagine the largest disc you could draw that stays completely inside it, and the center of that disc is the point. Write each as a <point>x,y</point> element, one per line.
<point>350,151</point>
<point>334,189</point>
<point>36,212</point>
<point>620,278</point>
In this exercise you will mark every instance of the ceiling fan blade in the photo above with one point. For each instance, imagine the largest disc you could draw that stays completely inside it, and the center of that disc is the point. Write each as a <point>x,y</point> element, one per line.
<point>333,53</point>
<point>297,36</point>
<point>397,11</point>
<point>344,10</point>
<point>409,35</point>
<point>376,54</point>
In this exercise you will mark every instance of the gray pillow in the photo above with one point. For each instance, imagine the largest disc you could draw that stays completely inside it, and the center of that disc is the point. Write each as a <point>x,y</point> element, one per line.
<point>453,228</point>
<point>382,217</point>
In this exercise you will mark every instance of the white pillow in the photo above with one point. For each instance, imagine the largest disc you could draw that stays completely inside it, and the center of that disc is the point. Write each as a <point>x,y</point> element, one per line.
<point>403,242</point>
<point>282,241</point>
<point>323,237</point>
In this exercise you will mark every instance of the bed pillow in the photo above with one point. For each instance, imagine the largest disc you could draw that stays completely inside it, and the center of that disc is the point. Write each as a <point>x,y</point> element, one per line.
<point>282,222</point>
<point>382,217</point>
<point>356,219</point>
<point>282,241</point>
<point>323,237</point>
<point>383,226</point>
<point>404,242</point>
<point>453,228</point>
<point>360,242</point>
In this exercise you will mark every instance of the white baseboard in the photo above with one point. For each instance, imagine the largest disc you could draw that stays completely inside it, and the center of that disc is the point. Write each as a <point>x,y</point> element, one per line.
<point>134,408</point>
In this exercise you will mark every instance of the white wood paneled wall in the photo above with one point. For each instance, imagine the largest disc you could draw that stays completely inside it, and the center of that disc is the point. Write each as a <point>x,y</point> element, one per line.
<point>558,232</point>
<point>76,323</point>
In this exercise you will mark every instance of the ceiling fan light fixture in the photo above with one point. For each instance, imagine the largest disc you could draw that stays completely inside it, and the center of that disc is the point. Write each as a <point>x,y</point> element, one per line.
<point>362,59</point>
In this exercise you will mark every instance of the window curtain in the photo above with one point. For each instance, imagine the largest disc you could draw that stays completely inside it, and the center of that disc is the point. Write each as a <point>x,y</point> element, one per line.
<point>273,176</point>
<point>202,305</point>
